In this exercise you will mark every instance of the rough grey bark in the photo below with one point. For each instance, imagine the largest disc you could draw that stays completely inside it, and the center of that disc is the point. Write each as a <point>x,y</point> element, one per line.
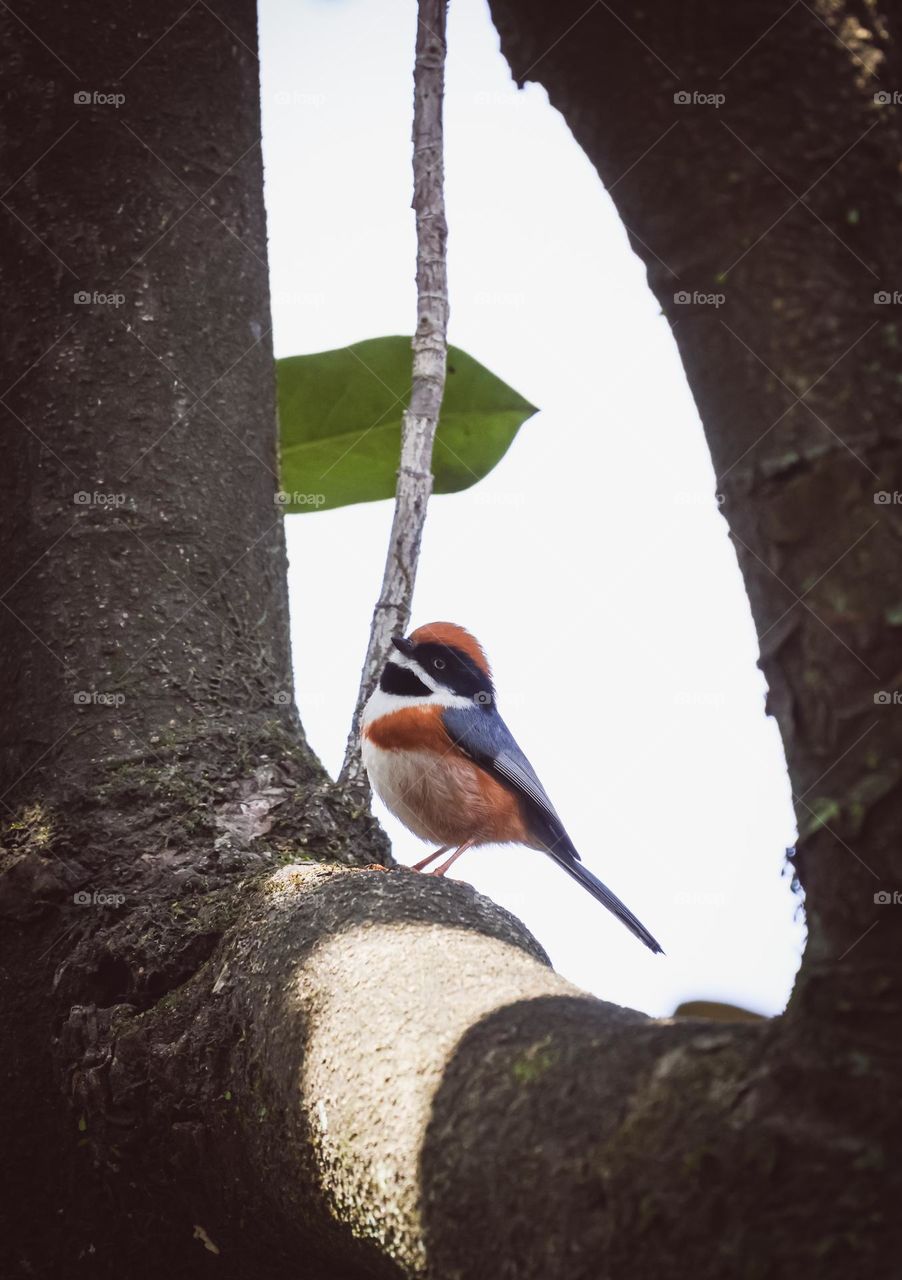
<point>149,739</point>
<point>255,1067</point>
<point>794,370</point>
<point>430,357</point>
<point>752,152</point>
<point>116,410</point>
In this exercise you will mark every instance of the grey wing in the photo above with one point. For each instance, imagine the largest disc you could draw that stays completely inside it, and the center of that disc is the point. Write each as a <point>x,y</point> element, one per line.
<point>485,738</point>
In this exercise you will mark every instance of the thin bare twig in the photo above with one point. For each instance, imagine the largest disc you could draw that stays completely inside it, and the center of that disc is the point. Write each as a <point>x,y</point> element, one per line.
<point>430,346</point>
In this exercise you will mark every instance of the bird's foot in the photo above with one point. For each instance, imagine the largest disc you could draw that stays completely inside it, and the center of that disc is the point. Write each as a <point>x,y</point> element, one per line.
<point>424,862</point>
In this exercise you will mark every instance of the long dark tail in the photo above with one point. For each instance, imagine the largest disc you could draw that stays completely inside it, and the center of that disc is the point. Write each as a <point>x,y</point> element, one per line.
<point>610,900</point>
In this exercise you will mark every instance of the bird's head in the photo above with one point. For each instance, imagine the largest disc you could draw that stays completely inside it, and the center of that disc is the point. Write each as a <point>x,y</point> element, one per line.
<point>439,658</point>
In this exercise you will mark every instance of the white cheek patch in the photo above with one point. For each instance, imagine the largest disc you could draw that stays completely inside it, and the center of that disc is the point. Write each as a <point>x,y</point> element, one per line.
<point>382,703</point>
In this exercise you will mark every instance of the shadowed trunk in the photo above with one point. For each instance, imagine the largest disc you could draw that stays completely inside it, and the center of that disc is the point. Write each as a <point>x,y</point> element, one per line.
<point>151,756</point>
<point>757,172</point>
<point>220,1060</point>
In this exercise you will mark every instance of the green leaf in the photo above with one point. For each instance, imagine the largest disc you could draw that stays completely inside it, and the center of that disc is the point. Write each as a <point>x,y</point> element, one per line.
<point>340,423</point>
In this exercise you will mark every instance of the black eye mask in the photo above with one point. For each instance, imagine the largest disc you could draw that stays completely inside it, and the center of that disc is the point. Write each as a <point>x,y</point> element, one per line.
<point>460,673</point>
<point>403,681</point>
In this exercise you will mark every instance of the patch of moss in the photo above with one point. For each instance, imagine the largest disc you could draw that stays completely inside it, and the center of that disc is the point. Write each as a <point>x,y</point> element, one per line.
<point>823,812</point>
<point>534,1062</point>
<point>31,828</point>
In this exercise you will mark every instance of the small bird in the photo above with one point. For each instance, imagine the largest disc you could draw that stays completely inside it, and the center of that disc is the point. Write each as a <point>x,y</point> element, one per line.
<point>444,762</point>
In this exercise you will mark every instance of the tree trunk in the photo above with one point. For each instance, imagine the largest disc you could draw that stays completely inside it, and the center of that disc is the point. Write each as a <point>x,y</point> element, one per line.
<point>232,1059</point>
<point>753,154</point>
<point>775,213</point>
<point>152,760</point>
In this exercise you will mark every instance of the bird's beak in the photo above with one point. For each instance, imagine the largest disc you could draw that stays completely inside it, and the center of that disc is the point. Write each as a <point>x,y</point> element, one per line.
<point>403,645</point>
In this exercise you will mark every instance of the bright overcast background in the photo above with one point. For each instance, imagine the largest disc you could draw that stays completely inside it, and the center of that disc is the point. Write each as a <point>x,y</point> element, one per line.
<point>593,563</point>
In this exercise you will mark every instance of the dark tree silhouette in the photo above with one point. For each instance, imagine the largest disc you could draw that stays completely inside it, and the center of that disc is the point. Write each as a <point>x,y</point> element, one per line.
<point>227,1050</point>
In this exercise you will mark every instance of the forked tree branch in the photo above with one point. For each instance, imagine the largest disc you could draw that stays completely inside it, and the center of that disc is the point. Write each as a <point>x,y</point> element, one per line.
<point>430,345</point>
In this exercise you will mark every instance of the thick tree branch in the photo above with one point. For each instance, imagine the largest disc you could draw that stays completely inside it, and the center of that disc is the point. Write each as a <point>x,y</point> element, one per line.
<point>382,1071</point>
<point>430,349</point>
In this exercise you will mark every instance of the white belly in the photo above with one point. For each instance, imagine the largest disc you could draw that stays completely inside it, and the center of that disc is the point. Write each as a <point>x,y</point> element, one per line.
<point>435,800</point>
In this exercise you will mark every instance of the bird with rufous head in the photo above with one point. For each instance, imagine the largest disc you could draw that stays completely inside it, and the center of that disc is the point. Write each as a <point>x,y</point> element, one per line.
<point>440,757</point>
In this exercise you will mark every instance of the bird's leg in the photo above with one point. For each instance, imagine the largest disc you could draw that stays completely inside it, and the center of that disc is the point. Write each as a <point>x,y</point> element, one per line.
<point>440,871</point>
<point>424,862</point>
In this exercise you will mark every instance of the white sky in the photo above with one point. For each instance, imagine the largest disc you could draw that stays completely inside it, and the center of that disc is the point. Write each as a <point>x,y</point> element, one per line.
<point>593,563</point>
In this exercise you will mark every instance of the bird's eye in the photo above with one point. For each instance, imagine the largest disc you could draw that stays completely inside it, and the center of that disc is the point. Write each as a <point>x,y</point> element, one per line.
<point>438,663</point>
